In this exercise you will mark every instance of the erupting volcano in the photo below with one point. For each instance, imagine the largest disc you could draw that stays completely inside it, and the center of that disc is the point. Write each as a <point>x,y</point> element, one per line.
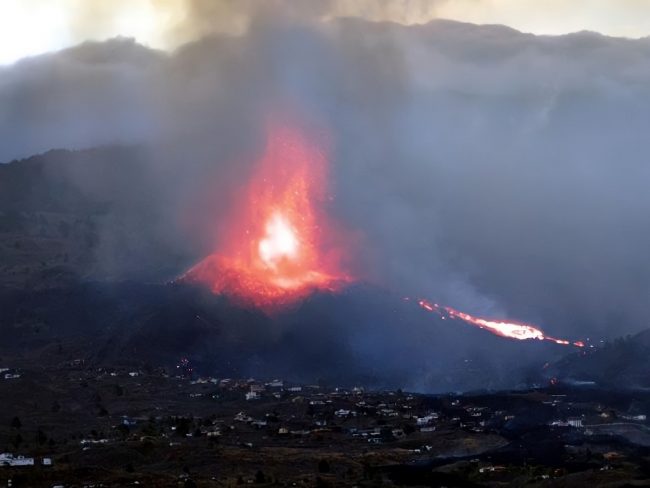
<point>511,330</point>
<point>279,244</point>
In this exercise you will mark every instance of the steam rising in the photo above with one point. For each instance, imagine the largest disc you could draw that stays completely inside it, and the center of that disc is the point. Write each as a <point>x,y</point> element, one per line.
<point>501,173</point>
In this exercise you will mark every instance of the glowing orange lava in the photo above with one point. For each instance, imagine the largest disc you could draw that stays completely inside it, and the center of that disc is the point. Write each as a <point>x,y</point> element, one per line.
<point>511,330</point>
<point>279,245</point>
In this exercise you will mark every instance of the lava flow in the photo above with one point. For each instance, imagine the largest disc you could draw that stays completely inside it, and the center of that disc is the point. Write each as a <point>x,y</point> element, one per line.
<point>511,330</point>
<point>279,245</point>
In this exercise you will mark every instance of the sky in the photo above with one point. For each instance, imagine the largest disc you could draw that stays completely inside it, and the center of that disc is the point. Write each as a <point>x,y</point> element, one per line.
<point>30,27</point>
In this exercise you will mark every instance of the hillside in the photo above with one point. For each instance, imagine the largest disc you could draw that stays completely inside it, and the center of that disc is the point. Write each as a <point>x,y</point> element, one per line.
<point>624,362</point>
<point>70,215</point>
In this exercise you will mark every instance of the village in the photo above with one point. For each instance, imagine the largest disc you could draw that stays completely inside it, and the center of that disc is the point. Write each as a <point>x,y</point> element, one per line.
<point>148,426</point>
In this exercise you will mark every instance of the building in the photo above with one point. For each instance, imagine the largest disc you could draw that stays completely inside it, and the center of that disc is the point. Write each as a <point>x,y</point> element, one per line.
<point>426,420</point>
<point>575,422</point>
<point>7,459</point>
<point>252,395</point>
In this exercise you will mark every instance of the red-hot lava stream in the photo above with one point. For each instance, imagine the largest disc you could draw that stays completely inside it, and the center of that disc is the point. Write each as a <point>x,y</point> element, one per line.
<point>280,246</point>
<point>511,330</point>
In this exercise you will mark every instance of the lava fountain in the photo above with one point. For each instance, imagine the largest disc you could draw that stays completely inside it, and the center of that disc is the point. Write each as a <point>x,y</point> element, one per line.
<point>279,245</point>
<point>511,330</point>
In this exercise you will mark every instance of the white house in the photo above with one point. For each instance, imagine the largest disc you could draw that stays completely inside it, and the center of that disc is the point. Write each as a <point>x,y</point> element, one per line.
<point>426,420</point>
<point>252,395</point>
<point>575,422</point>
<point>7,459</point>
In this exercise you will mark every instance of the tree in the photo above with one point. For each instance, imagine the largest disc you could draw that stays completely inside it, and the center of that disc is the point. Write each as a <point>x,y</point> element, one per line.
<point>323,466</point>
<point>17,440</point>
<point>321,483</point>
<point>386,434</point>
<point>259,477</point>
<point>408,428</point>
<point>41,437</point>
<point>16,423</point>
<point>150,430</point>
<point>183,426</point>
<point>123,430</point>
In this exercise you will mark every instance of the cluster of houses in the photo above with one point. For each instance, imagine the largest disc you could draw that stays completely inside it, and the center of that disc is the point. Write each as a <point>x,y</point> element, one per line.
<point>373,417</point>
<point>576,422</point>
<point>8,459</point>
<point>380,416</point>
<point>355,403</point>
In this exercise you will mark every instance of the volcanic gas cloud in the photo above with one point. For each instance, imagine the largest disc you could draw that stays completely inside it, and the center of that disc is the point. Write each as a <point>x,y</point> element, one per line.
<point>279,245</point>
